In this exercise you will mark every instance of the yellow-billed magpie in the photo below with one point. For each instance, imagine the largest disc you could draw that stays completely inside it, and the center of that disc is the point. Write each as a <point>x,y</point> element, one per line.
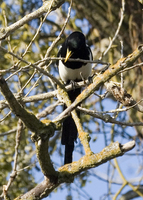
<point>74,47</point>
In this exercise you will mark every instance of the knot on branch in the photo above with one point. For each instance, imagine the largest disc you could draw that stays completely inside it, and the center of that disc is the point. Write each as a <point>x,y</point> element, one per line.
<point>120,94</point>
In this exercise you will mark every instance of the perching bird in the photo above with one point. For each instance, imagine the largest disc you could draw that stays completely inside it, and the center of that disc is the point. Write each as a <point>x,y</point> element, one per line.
<point>74,47</point>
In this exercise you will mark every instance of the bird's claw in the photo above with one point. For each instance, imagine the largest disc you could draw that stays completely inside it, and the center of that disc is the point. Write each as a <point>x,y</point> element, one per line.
<point>90,79</point>
<point>73,83</point>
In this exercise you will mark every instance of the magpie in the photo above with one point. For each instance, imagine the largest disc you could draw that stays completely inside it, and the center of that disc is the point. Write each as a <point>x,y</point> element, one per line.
<point>73,47</point>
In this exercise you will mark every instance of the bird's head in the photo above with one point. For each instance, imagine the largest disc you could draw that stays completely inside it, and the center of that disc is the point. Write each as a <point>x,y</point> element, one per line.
<point>74,43</point>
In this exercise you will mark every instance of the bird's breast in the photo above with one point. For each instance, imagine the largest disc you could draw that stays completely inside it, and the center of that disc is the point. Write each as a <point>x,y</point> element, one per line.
<point>68,74</point>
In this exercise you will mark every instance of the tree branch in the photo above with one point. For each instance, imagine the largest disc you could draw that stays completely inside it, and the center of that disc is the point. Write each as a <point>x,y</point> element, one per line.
<point>42,132</point>
<point>122,96</point>
<point>131,194</point>
<point>5,32</point>
<point>45,96</point>
<point>69,171</point>
<point>107,118</point>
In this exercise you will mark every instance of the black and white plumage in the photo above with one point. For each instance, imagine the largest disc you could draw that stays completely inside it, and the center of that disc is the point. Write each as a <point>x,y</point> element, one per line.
<point>74,47</point>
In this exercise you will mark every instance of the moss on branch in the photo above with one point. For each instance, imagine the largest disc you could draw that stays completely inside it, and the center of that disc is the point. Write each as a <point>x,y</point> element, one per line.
<point>69,171</point>
<point>90,161</point>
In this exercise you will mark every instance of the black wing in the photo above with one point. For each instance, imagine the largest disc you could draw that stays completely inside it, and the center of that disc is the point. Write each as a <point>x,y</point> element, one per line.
<point>90,52</point>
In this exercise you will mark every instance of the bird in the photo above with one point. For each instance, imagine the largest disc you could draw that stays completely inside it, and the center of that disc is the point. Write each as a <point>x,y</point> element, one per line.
<point>74,46</point>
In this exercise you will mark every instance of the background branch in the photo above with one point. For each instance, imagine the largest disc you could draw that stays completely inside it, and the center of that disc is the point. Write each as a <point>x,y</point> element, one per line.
<point>5,32</point>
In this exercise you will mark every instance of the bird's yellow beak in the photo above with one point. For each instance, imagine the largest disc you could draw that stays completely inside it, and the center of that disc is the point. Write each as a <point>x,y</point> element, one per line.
<point>68,55</point>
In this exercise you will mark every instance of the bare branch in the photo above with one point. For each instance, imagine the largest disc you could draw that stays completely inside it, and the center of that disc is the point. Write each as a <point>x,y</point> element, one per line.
<point>131,194</point>
<point>4,32</point>
<point>45,96</point>
<point>33,65</point>
<point>72,60</point>
<point>8,132</point>
<point>107,118</point>
<point>122,96</point>
<point>61,32</point>
<point>134,66</point>
<point>117,31</point>
<point>14,171</point>
<point>47,110</point>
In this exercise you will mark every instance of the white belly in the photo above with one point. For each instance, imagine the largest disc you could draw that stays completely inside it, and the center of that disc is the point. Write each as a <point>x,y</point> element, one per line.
<point>73,74</point>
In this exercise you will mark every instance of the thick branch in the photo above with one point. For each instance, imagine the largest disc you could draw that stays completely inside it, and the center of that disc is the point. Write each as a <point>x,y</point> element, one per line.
<point>33,124</point>
<point>69,171</point>
<point>41,134</point>
<point>40,191</point>
<point>94,160</point>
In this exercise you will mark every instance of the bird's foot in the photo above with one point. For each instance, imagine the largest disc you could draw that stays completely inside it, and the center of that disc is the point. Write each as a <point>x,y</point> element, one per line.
<point>82,78</point>
<point>90,79</point>
<point>73,83</point>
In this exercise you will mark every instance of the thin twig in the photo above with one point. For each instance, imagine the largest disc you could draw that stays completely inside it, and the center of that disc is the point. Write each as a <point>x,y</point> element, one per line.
<point>48,110</point>
<point>117,31</point>
<point>118,110</point>
<point>14,73</point>
<point>4,32</point>
<point>37,32</point>
<point>33,65</point>
<point>14,171</point>
<point>1,120</point>
<point>29,166</point>
<point>34,85</point>
<point>28,81</point>
<point>107,118</point>
<point>61,32</point>
<point>122,79</point>
<point>72,60</point>
<point>8,132</point>
<point>132,67</point>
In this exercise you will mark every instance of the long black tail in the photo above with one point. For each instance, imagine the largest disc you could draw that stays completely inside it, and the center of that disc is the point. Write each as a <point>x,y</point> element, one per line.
<point>69,131</point>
